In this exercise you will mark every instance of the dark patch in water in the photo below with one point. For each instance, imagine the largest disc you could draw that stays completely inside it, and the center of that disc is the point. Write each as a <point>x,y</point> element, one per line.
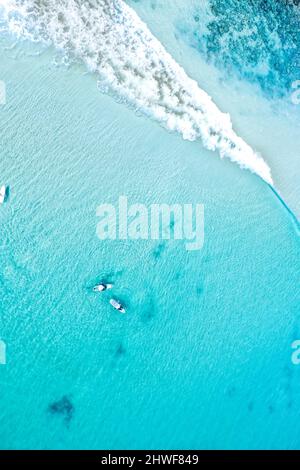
<point>120,351</point>
<point>158,251</point>
<point>64,408</point>
<point>271,409</point>
<point>200,290</point>
<point>231,392</point>
<point>178,276</point>
<point>289,405</point>
<point>250,406</point>
<point>148,314</point>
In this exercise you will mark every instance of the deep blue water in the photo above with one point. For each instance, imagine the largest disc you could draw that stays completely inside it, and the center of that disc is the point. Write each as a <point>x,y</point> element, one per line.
<point>256,40</point>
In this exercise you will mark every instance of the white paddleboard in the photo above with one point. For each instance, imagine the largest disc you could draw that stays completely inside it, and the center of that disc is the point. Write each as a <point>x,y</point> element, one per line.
<point>117,305</point>
<point>2,194</point>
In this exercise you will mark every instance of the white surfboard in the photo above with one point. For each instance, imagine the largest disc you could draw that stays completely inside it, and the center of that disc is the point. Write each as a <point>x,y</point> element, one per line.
<point>2,194</point>
<point>116,304</point>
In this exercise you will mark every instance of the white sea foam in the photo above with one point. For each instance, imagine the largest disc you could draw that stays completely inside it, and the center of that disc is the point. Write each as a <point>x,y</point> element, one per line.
<point>112,41</point>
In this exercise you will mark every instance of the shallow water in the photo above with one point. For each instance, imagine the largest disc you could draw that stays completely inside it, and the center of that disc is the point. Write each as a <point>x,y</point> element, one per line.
<point>203,358</point>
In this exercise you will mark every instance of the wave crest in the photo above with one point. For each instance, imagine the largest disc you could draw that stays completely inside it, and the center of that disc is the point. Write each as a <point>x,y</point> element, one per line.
<point>112,41</point>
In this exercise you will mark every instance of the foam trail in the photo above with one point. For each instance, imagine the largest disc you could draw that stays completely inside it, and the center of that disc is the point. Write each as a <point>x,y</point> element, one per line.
<point>112,41</point>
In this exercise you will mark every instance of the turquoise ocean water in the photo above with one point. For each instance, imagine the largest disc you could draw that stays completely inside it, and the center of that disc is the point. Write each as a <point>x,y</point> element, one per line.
<point>203,358</point>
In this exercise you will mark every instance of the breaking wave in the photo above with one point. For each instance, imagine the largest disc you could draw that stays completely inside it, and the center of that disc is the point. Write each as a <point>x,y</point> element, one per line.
<point>112,41</point>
